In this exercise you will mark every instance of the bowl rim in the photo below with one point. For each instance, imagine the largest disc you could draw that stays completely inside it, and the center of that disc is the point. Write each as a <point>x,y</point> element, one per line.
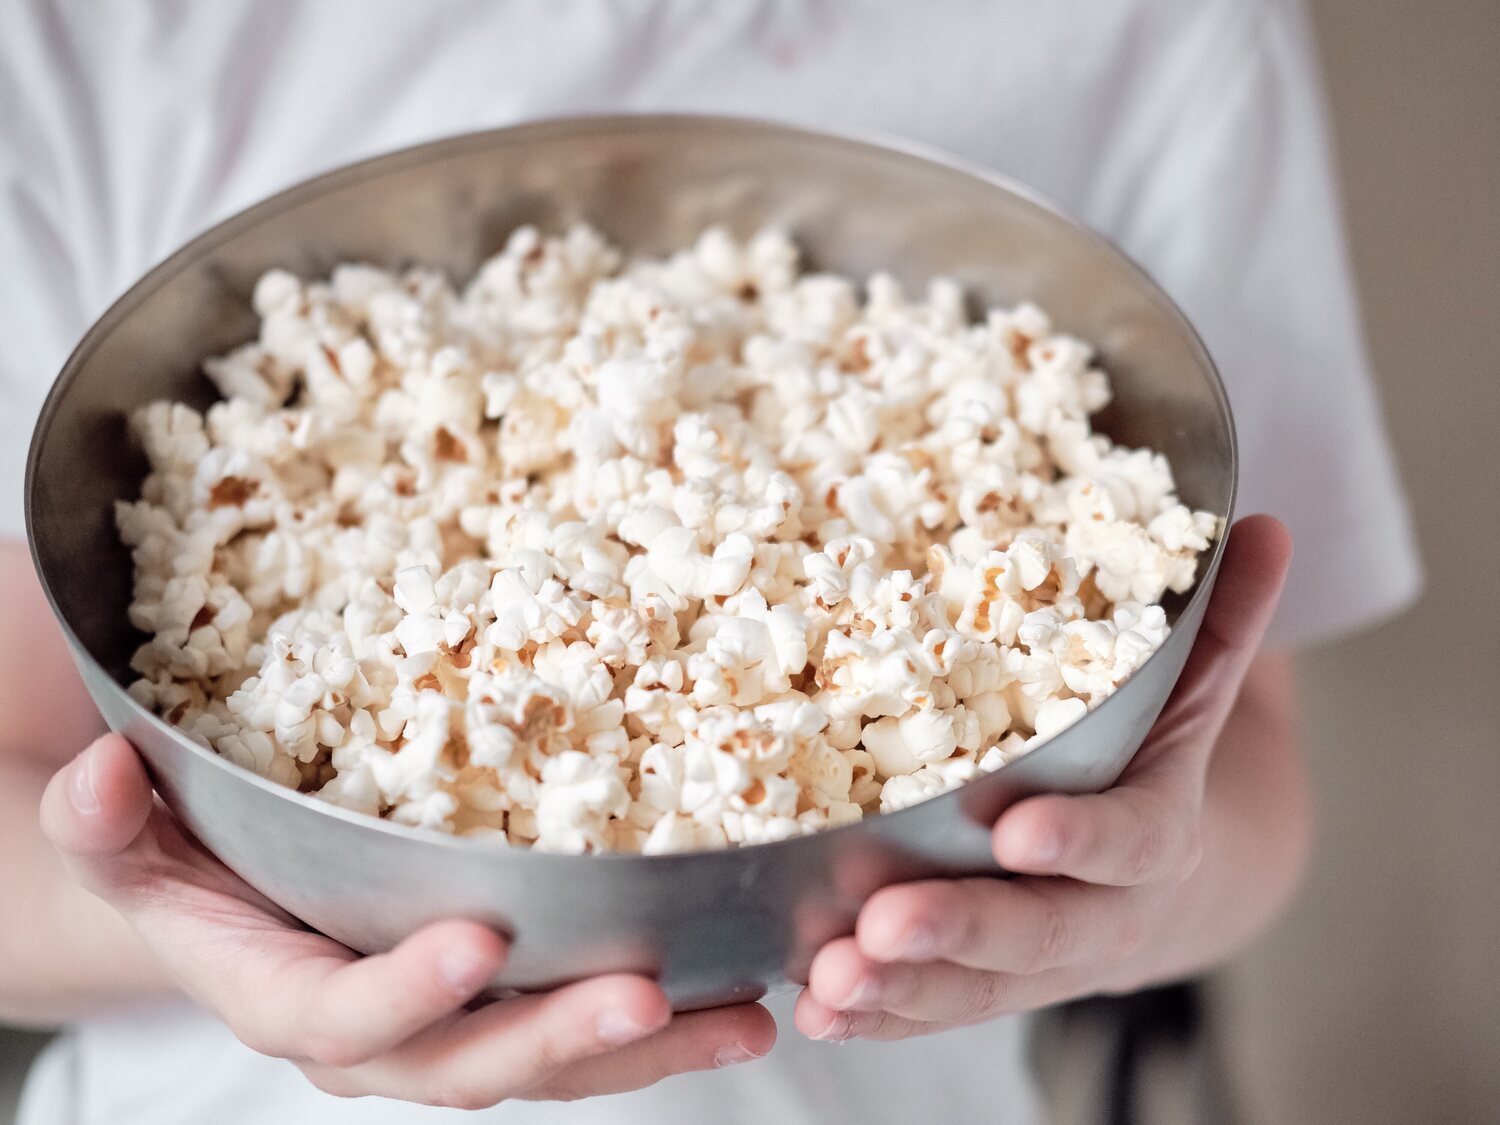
<point>873,142</point>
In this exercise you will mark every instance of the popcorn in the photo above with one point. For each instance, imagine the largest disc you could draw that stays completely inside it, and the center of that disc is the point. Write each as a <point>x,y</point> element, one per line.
<point>511,719</point>
<point>675,556</point>
<point>923,736</point>
<point>580,792</point>
<point>905,790</point>
<point>1056,715</point>
<point>646,555</point>
<point>674,832</point>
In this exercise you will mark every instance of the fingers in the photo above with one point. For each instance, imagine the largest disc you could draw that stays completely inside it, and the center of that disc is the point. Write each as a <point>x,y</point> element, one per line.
<point>1256,560</point>
<point>95,807</point>
<point>694,1041</point>
<point>606,1035</point>
<point>929,955</point>
<point>1010,926</point>
<point>817,1020</point>
<point>285,992</point>
<point>1145,830</point>
<point>388,1024</point>
<point>932,955</point>
<point>843,979</point>
<point>1244,601</point>
<point>509,1048</point>
<point>346,1012</point>
<point>1127,836</point>
<point>118,843</point>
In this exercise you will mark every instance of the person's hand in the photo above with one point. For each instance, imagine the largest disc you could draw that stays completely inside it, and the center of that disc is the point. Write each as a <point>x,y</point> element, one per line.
<point>1100,876</point>
<point>396,1024</point>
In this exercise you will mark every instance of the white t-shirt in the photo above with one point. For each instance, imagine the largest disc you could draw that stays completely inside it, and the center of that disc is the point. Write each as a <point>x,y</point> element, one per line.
<point>1189,131</point>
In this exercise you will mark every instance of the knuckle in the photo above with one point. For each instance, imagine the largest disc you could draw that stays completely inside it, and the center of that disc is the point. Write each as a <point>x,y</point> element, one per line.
<point>1054,936</point>
<point>549,1054</point>
<point>564,1091</point>
<point>262,1043</point>
<point>957,911</point>
<point>468,1095</point>
<point>869,1025</point>
<point>985,998</point>
<point>333,1050</point>
<point>330,1082</point>
<point>1146,850</point>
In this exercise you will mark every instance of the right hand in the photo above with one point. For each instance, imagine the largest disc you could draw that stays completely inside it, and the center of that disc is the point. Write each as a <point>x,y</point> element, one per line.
<point>395,1024</point>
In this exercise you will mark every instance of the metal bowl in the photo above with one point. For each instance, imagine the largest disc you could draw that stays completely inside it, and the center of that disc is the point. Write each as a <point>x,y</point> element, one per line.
<point>714,927</point>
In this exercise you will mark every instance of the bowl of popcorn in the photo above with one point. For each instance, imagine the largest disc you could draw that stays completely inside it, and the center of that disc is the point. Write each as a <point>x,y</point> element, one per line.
<point>646,535</point>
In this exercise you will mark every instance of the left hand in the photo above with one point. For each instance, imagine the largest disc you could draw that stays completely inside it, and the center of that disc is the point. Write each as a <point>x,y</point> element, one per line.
<point>1101,877</point>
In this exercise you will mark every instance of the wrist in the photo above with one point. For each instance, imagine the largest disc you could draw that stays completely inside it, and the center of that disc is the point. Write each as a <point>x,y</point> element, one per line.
<point>66,955</point>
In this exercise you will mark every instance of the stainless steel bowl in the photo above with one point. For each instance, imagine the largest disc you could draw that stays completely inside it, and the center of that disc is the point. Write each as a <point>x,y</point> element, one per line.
<point>715,926</point>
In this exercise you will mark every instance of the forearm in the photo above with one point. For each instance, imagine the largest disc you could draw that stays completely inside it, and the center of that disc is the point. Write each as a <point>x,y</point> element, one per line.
<point>63,953</point>
<point>1257,829</point>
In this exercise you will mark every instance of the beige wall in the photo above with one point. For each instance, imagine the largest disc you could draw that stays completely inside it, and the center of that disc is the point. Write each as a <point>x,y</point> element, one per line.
<point>1379,999</point>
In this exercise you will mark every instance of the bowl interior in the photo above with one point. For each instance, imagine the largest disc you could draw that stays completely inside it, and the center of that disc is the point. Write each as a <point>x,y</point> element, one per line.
<point>651,185</point>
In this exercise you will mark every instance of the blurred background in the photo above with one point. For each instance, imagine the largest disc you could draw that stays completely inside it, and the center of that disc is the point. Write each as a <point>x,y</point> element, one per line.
<point>1378,999</point>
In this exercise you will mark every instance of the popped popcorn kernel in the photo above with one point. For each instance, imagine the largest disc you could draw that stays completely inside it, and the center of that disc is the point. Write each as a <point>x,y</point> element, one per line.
<point>600,553</point>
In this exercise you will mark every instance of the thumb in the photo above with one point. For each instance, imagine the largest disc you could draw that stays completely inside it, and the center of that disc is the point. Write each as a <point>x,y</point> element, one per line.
<point>1244,600</point>
<point>96,807</point>
<point>1256,560</point>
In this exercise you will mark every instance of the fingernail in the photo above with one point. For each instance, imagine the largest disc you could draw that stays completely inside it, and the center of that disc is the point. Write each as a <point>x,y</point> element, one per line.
<point>464,970</point>
<point>921,943</point>
<point>1047,848</point>
<point>83,789</point>
<point>616,1028</point>
<point>732,1054</point>
<point>866,990</point>
<point>837,1029</point>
